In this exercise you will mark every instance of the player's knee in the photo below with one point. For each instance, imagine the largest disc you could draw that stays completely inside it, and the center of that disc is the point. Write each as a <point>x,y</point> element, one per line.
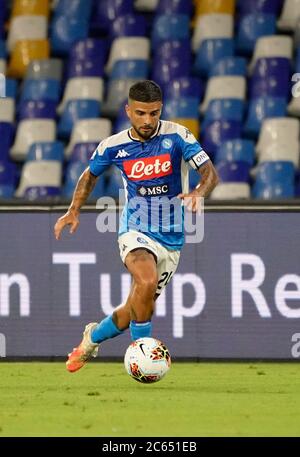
<point>147,284</point>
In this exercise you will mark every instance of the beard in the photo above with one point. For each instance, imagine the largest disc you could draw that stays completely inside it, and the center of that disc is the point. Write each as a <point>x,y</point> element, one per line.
<point>145,134</point>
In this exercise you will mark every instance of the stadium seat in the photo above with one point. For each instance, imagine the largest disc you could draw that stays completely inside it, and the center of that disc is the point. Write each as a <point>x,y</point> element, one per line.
<point>271,86</point>
<point>273,172</point>
<point>82,152</point>
<point>2,49</point>
<point>191,124</point>
<point>128,48</point>
<point>203,7</point>
<point>26,28</point>
<point>31,131</point>
<point>2,66</point>
<point>272,46</point>
<point>40,173</point>
<point>289,15</point>
<point>169,27</point>
<point>210,27</point>
<point>130,69</point>
<point>89,131</point>
<point>40,89</point>
<point>65,31</point>
<point>278,129</point>
<point>106,12</point>
<point>226,109</point>
<point>217,132</point>
<point>236,151</point>
<point>224,87</point>
<point>129,25</point>
<point>74,111</point>
<point>229,66</point>
<point>24,52</point>
<point>209,54</point>
<point>259,6</point>
<point>233,171</point>
<point>297,35</point>
<point>271,66</point>
<point>252,27</point>
<point>7,191</point>
<point>281,150</point>
<point>115,182</point>
<point>82,89</point>
<point>7,110</point>
<point>2,18</point>
<point>7,178</point>
<point>37,109</point>
<point>42,193</point>
<point>30,7</point>
<point>80,9</point>
<point>117,93</point>
<point>6,135</point>
<point>89,48</point>
<point>122,122</point>
<point>260,109</point>
<point>92,67</point>
<point>73,172</point>
<point>185,107</point>
<point>49,69</point>
<point>273,191</point>
<point>146,6</point>
<point>231,191</point>
<point>52,150</point>
<point>185,87</point>
<point>173,67</point>
<point>10,88</point>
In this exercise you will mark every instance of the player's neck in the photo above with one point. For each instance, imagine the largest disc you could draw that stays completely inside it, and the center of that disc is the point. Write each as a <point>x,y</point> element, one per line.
<point>135,136</point>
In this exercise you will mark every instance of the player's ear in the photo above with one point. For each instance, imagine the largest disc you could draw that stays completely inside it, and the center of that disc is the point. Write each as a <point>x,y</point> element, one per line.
<point>127,109</point>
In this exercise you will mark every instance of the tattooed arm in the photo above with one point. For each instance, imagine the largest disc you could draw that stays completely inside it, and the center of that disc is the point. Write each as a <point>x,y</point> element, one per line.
<point>84,187</point>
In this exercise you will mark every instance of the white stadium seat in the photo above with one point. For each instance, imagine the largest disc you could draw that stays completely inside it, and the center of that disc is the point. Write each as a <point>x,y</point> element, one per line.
<point>2,66</point>
<point>127,48</point>
<point>278,130</point>
<point>7,110</point>
<point>231,191</point>
<point>280,151</point>
<point>272,46</point>
<point>224,87</point>
<point>289,15</point>
<point>32,131</point>
<point>210,26</point>
<point>89,131</point>
<point>87,88</point>
<point>145,5</point>
<point>26,28</point>
<point>40,173</point>
<point>117,93</point>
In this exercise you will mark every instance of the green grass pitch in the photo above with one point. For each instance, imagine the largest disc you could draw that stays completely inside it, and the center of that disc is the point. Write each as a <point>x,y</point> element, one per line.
<point>194,399</point>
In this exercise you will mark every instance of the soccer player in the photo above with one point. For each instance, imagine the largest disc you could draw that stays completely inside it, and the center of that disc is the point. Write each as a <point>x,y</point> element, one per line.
<point>153,157</point>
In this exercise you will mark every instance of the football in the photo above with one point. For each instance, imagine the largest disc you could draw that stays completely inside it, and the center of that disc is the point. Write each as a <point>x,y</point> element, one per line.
<point>147,360</point>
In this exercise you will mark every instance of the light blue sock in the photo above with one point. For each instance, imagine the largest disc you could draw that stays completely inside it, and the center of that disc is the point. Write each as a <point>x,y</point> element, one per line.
<point>140,329</point>
<point>105,330</point>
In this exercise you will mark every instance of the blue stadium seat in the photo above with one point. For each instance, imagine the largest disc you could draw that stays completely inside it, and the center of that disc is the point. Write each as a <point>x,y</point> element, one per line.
<point>275,172</point>
<point>233,171</point>
<point>226,109</point>
<point>7,178</point>
<point>185,87</point>
<point>79,9</point>
<point>174,7</point>
<point>99,189</point>
<point>168,27</point>
<point>37,109</point>
<point>129,25</point>
<point>46,151</point>
<point>173,67</point>
<point>122,122</point>
<point>65,31</point>
<point>89,48</point>
<point>273,191</point>
<point>2,47</point>
<point>230,66</point>
<point>7,191</point>
<point>184,107</point>
<point>217,132</point>
<point>11,88</point>
<point>82,152</point>
<point>40,89</point>
<point>239,150</point>
<point>89,67</point>
<point>106,12</point>
<point>210,52</point>
<point>74,111</point>
<point>279,86</point>
<point>260,6</point>
<point>260,109</point>
<point>73,171</point>
<point>115,182</point>
<point>252,27</point>
<point>174,48</point>
<point>298,61</point>
<point>130,69</point>
<point>42,193</point>
<point>7,136</point>
<point>267,67</point>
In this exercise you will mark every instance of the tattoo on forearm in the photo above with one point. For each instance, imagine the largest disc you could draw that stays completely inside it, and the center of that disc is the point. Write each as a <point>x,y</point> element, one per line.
<point>209,180</point>
<point>85,185</point>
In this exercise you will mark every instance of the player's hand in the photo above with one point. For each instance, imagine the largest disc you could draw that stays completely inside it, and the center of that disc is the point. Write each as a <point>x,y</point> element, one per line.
<point>192,200</point>
<point>70,218</point>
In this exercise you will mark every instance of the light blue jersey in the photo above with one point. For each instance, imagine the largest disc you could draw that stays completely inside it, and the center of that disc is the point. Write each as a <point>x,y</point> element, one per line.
<point>154,172</point>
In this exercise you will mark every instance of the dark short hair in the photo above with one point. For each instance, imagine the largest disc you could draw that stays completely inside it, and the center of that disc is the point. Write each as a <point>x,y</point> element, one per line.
<point>145,91</point>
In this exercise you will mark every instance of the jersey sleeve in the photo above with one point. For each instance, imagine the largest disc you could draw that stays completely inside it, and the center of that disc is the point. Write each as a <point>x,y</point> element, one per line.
<point>191,149</point>
<point>100,160</point>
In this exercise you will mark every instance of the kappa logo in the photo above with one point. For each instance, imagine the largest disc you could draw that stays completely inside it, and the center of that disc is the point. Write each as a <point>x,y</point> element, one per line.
<point>122,153</point>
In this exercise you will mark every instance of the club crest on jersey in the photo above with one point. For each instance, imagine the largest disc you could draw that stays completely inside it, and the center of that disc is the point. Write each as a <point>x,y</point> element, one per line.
<point>167,143</point>
<point>148,167</point>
